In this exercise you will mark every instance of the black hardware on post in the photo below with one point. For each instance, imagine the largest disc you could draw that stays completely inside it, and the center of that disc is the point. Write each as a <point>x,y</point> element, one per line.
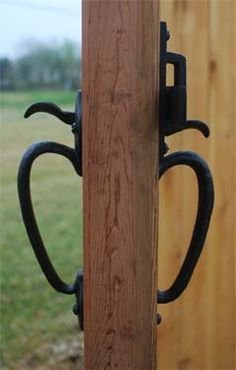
<point>172,119</point>
<point>75,157</point>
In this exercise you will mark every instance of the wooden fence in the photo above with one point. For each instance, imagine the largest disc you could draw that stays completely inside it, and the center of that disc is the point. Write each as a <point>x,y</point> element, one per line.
<point>199,330</point>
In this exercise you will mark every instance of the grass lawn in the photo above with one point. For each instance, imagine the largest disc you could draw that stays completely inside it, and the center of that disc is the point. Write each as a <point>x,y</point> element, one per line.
<point>33,315</point>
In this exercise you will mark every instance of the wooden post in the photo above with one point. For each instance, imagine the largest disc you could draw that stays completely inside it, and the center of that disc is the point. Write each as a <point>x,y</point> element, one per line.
<point>120,174</point>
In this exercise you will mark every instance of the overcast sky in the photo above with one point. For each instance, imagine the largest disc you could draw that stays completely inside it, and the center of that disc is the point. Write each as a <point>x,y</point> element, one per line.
<point>43,20</point>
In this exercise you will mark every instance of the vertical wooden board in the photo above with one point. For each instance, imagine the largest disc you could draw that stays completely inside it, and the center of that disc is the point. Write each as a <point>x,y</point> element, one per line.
<point>120,172</point>
<point>200,332</point>
<point>184,24</point>
<point>193,317</point>
<point>234,198</point>
<point>221,263</point>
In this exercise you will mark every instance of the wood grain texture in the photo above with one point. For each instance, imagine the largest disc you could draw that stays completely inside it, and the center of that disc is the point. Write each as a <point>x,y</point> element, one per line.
<point>120,173</point>
<point>199,330</point>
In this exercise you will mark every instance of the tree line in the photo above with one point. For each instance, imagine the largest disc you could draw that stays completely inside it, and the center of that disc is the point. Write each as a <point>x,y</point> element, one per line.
<point>42,65</point>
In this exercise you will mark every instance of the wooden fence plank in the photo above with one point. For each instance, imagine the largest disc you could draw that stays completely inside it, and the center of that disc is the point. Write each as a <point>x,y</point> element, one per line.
<point>195,38</point>
<point>222,278</point>
<point>120,172</point>
<point>199,331</point>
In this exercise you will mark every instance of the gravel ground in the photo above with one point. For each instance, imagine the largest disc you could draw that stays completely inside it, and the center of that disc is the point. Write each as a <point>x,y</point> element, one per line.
<point>59,356</point>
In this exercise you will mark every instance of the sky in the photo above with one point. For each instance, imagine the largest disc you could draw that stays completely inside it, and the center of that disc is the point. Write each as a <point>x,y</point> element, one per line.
<point>43,20</point>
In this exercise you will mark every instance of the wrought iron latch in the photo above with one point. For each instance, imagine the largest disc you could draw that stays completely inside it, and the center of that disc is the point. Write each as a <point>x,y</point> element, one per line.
<point>172,119</point>
<point>173,99</point>
<point>74,155</point>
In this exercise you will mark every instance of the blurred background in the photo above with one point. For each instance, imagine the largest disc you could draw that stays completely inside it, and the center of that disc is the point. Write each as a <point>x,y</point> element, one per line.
<point>40,60</point>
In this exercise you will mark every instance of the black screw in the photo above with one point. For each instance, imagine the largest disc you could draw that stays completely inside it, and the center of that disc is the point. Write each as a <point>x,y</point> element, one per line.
<point>167,35</point>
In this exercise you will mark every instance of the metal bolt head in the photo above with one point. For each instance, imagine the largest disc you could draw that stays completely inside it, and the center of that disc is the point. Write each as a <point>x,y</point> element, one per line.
<point>158,319</point>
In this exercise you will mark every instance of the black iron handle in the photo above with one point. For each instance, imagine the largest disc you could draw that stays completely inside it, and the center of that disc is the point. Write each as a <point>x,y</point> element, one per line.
<point>173,118</point>
<point>205,206</point>
<point>31,154</point>
<point>74,119</point>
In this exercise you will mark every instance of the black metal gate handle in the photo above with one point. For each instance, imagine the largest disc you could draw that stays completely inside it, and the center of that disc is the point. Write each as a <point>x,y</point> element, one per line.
<point>32,153</point>
<point>172,119</point>
<point>205,206</point>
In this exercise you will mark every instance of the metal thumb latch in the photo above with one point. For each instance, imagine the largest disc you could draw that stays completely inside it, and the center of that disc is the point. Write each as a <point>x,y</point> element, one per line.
<point>172,119</point>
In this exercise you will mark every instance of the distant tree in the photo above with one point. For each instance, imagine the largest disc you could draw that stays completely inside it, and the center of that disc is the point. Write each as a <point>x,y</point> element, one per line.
<point>70,64</point>
<point>43,65</point>
<point>7,74</point>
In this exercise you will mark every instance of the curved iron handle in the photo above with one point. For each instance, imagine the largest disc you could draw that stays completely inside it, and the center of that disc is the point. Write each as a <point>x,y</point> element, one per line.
<point>205,206</point>
<point>46,107</point>
<point>32,153</point>
<point>73,119</point>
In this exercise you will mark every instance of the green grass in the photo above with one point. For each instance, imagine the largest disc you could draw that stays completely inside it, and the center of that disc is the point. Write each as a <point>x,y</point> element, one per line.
<point>17,99</point>
<point>32,313</point>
